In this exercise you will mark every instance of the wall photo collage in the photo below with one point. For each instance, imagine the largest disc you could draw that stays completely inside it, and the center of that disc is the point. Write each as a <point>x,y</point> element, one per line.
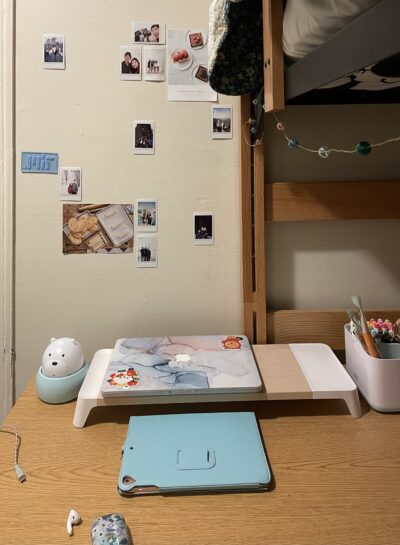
<point>110,228</point>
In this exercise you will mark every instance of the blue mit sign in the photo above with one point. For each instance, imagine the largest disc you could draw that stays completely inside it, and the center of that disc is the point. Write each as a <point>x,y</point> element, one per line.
<point>45,163</point>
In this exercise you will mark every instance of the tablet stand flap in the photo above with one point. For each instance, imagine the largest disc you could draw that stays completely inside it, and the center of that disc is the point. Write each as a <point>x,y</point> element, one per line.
<point>196,457</point>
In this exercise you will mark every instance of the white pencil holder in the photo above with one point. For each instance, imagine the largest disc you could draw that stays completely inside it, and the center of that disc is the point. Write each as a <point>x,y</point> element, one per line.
<point>378,379</point>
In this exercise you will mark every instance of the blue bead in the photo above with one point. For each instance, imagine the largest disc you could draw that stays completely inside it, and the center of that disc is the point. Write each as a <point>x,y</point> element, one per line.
<point>293,143</point>
<point>363,148</point>
<point>324,152</point>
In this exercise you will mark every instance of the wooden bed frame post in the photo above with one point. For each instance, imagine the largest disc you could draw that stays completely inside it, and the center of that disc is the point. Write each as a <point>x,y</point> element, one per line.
<point>252,165</point>
<point>253,239</point>
<point>274,94</point>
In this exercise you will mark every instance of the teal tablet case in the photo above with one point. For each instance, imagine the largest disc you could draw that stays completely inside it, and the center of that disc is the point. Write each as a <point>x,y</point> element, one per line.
<point>193,452</point>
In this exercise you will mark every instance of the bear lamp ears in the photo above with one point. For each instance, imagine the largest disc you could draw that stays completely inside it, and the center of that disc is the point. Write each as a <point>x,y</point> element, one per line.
<point>73,341</point>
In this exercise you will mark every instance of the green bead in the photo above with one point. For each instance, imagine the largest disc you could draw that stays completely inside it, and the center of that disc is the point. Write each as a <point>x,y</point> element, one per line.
<point>293,143</point>
<point>363,148</point>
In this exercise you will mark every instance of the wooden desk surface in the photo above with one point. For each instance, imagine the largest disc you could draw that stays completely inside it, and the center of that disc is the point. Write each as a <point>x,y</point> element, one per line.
<point>337,479</point>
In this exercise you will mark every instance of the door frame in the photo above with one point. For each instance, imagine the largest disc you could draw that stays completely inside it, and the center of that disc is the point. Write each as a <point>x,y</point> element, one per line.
<point>7,205</point>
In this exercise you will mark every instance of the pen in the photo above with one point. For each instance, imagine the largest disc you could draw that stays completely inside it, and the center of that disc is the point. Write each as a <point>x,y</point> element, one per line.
<point>369,341</point>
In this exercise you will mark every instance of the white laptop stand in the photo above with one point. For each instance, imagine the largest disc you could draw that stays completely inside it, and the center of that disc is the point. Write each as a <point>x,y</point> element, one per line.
<point>289,371</point>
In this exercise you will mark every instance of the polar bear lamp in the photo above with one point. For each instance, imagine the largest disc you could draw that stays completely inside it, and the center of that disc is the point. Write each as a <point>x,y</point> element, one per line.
<point>62,357</point>
<point>62,371</point>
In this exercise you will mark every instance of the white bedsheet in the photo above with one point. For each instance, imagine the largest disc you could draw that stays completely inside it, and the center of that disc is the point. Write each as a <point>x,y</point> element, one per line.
<point>309,23</point>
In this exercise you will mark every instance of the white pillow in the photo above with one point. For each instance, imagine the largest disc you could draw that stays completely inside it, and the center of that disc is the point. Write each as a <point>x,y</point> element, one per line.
<point>307,24</point>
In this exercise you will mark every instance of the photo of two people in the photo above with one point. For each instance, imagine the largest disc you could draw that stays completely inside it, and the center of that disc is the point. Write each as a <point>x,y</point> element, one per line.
<point>221,122</point>
<point>147,255</point>
<point>130,63</point>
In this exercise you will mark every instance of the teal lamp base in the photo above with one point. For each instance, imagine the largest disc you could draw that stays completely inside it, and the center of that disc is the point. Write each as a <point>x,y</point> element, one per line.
<point>60,389</point>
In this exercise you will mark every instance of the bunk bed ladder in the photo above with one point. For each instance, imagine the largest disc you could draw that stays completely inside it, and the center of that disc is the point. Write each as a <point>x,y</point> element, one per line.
<point>268,201</point>
<point>323,201</point>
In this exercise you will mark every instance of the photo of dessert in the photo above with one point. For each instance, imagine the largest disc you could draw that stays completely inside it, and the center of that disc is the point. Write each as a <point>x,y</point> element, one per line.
<point>81,227</point>
<point>200,73</point>
<point>187,61</point>
<point>196,39</point>
<point>181,59</point>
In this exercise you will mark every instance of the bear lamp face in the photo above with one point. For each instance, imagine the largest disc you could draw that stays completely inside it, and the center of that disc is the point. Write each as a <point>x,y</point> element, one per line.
<point>62,357</point>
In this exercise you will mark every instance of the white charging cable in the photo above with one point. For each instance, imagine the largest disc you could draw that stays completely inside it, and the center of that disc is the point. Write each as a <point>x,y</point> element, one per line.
<point>18,470</point>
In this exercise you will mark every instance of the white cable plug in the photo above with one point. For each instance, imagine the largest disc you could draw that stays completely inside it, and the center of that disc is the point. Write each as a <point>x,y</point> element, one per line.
<point>18,470</point>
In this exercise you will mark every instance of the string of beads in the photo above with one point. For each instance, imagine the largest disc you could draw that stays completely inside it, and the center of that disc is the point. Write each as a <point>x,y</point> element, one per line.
<point>362,148</point>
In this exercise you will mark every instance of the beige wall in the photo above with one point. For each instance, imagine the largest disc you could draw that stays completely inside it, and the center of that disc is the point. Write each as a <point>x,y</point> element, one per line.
<point>321,264</point>
<point>86,114</point>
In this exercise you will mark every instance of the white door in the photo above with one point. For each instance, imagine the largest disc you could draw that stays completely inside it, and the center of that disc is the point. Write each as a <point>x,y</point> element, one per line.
<point>7,176</point>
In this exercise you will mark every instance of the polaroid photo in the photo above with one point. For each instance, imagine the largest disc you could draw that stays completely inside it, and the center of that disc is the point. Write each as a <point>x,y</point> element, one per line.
<point>146,215</point>
<point>130,59</point>
<point>203,228</point>
<point>54,51</point>
<point>143,137</point>
<point>221,122</point>
<point>154,63</point>
<point>147,251</point>
<point>152,32</point>
<point>70,184</point>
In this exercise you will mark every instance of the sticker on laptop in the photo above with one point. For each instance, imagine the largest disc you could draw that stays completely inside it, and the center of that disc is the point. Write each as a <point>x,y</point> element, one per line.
<point>125,378</point>
<point>231,342</point>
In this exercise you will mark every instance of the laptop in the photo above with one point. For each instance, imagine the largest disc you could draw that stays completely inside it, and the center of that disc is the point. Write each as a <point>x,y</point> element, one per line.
<point>200,452</point>
<point>181,365</point>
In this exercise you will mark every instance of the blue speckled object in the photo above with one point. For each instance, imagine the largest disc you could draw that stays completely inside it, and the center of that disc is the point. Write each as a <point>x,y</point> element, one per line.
<point>60,389</point>
<point>293,143</point>
<point>111,530</point>
<point>235,65</point>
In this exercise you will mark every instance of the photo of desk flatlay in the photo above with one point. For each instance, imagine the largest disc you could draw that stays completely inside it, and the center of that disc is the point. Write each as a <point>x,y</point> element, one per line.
<point>97,228</point>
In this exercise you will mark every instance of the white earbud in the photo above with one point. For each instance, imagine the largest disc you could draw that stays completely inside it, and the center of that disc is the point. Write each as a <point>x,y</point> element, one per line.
<point>73,518</point>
